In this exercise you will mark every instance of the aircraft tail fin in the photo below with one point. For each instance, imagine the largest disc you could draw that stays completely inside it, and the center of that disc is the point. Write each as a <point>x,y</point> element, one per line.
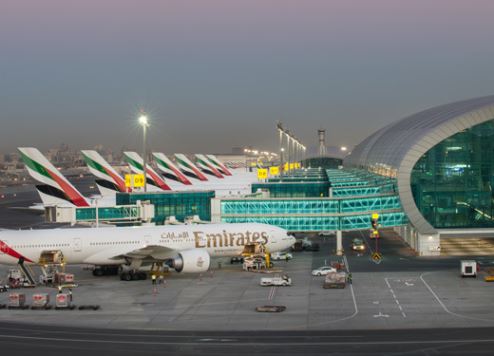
<point>206,166</point>
<point>189,168</point>
<point>136,164</point>
<point>169,169</point>
<point>108,178</point>
<point>44,172</point>
<point>219,165</point>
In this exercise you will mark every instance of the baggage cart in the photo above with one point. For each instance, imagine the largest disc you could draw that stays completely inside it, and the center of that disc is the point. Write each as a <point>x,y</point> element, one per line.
<point>41,301</point>
<point>17,301</point>
<point>63,301</point>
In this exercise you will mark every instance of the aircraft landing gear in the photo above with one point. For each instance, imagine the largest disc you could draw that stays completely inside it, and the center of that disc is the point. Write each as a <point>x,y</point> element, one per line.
<point>133,276</point>
<point>104,270</point>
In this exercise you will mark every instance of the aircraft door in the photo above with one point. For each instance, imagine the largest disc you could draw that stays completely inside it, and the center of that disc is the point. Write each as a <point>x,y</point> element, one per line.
<point>147,240</point>
<point>77,244</point>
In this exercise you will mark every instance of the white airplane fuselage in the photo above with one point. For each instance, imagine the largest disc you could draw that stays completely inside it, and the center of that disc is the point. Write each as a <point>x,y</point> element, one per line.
<point>111,245</point>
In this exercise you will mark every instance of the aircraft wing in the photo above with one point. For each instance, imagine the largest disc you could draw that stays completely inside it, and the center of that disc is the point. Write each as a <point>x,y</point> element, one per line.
<point>151,252</point>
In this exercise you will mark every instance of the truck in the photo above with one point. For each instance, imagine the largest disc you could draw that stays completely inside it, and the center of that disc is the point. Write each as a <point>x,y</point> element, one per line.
<point>335,280</point>
<point>469,268</point>
<point>256,263</point>
<point>283,281</point>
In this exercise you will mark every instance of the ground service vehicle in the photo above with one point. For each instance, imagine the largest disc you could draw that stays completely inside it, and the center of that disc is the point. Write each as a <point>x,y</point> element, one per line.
<point>322,271</point>
<point>283,281</point>
<point>254,263</point>
<point>335,280</point>
<point>469,268</point>
<point>281,256</point>
<point>358,245</point>
<point>312,247</point>
<point>236,259</point>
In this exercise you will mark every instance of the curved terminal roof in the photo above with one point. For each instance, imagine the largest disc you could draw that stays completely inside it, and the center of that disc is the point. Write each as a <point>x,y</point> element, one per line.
<point>394,149</point>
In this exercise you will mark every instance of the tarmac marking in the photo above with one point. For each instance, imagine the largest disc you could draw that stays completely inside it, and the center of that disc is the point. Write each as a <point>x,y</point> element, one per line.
<point>381,315</point>
<point>444,306</point>
<point>351,289</point>
<point>394,297</point>
<point>272,292</point>
<point>347,267</point>
<point>212,341</point>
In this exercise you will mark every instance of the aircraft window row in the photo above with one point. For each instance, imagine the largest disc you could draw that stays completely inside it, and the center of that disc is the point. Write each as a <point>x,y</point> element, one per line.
<point>42,245</point>
<point>113,243</point>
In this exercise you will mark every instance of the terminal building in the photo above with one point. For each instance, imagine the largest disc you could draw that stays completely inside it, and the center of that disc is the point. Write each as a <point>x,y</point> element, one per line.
<point>429,176</point>
<point>443,162</point>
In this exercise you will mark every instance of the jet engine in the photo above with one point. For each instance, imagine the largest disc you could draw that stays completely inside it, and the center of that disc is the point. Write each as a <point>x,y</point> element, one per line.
<point>192,261</point>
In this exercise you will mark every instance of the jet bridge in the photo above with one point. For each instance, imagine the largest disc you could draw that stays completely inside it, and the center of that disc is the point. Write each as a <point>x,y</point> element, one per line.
<point>120,214</point>
<point>353,197</point>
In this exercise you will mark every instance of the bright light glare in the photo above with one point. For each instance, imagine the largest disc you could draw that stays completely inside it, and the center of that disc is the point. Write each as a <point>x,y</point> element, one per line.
<point>143,120</point>
<point>343,148</point>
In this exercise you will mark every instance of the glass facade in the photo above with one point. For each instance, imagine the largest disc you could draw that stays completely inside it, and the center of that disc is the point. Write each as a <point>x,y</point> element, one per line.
<point>178,204</point>
<point>452,183</point>
<point>277,206</point>
<point>364,191</point>
<point>321,223</point>
<point>246,207</point>
<point>107,213</point>
<point>294,190</point>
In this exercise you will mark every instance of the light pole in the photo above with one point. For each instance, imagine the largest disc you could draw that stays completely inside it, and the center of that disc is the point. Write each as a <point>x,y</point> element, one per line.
<point>282,150</point>
<point>143,121</point>
<point>289,145</point>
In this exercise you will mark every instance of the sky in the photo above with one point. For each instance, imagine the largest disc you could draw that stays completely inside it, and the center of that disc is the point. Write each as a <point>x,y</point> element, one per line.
<point>213,74</point>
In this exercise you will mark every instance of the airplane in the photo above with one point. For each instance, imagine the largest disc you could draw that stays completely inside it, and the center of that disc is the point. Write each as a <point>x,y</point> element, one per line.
<point>206,166</point>
<point>189,168</point>
<point>108,179</point>
<point>185,248</point>
<point>218,164</point>
<point>155,183</point>
<point>169,169</point>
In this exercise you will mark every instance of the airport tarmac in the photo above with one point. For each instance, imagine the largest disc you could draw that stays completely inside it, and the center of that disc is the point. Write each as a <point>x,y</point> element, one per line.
<point>402,292</point>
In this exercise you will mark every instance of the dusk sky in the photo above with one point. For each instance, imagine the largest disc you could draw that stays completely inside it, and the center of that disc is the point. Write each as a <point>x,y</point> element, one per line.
<point>213,74</point>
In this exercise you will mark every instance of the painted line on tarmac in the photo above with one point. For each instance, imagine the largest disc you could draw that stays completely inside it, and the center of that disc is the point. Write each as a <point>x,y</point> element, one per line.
<point>347,267</point>
<point>445,308</point>
<point>351,289</point>
<point>395,298</point>
<point>272,292</point>
<point>245,343</point>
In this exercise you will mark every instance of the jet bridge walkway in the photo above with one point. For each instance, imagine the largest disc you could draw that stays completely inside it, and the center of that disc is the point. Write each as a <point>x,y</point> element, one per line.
<point>353,197</point>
